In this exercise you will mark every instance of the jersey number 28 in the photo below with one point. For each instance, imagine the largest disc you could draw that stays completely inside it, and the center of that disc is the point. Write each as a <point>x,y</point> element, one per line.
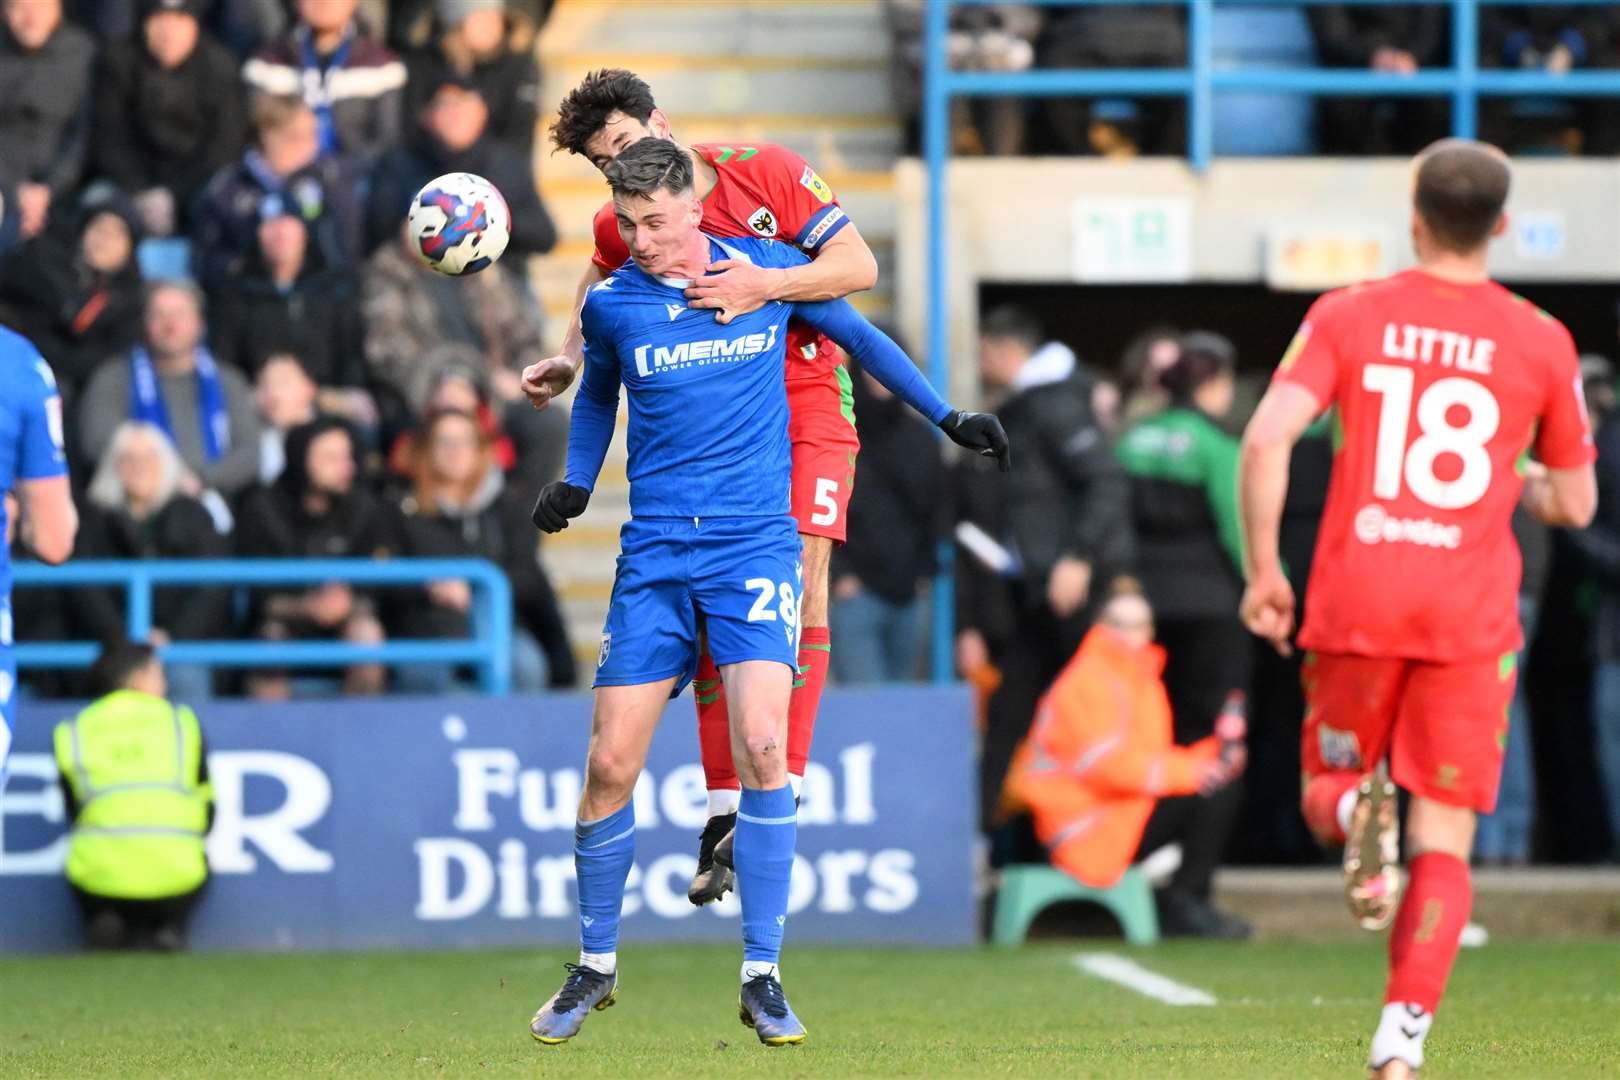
<point>1394,462</point>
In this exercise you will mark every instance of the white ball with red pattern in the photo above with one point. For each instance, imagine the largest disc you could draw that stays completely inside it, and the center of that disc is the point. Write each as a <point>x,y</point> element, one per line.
<point>459,224</point>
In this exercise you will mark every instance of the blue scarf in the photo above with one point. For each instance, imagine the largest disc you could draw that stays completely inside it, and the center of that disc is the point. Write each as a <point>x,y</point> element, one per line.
<point>146,400</point>
<point>318,83</point>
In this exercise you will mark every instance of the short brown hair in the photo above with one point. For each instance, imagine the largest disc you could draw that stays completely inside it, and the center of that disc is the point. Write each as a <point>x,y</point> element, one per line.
<point>1462,186</point>
<point>587,106</point>
<point>648,165</point>
<point>272,112</point>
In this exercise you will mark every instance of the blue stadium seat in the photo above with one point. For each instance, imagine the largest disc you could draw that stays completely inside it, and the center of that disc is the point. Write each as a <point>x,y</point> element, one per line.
<point>1262,125</point>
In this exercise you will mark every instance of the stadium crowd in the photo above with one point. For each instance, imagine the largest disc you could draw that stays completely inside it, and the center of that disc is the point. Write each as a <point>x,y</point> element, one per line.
<point>210,199</point>
<point>1389,38</point>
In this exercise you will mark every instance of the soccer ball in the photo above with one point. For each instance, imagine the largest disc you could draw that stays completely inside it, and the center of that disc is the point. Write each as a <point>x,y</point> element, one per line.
<point>459,224</point>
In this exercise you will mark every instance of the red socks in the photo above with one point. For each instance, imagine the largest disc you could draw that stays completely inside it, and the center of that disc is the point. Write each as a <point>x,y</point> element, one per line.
<point>1423,942</point>
<point>1321,804</point>
<point>815,654</point>
<point>714,727</point>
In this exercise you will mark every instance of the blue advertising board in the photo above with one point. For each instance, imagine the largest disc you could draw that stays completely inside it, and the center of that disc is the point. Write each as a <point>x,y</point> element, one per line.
<point>448,822</point>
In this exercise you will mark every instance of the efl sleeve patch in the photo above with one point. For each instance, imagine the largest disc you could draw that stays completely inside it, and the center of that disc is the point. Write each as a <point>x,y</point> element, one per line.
<point>815,185</point>
<point>821,226</point>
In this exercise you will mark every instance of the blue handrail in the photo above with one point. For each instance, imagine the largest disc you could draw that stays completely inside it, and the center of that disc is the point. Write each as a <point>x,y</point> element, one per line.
<point>1198,82</point>
<point>489,648</point>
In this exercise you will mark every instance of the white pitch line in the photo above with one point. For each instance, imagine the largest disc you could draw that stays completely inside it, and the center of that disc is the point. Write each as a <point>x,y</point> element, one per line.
<point>1133,976</point>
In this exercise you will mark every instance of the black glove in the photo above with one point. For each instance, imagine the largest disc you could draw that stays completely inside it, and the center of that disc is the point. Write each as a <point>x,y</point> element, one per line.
<point>981,433</point>
<point>558,501</point>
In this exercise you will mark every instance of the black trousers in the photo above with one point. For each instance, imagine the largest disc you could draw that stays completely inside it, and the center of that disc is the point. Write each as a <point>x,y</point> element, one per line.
<point>1205,659</point>
<point>142,918</point>
<point>1040,646</point>
<point>1201,825</point>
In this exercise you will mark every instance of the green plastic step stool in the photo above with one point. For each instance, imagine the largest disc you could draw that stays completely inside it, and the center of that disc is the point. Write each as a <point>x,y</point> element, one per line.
<point>1026,891</point>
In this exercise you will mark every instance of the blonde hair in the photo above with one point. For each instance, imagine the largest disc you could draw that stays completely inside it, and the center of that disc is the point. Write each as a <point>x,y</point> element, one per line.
<point>106,488</point>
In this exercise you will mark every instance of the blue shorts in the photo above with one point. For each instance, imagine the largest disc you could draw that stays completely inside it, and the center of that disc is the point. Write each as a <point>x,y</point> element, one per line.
<point>741,576</point>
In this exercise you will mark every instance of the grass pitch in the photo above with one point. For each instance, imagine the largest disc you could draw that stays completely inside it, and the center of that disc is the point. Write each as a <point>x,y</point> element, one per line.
<point>1516,1009</point>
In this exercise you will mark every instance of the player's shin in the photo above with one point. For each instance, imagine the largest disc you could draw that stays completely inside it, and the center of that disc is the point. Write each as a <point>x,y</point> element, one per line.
<point>767,832</point>
<point>815,656</point>
<point>714,737</point>
<point>603,850</point>
<point>1422,949</point>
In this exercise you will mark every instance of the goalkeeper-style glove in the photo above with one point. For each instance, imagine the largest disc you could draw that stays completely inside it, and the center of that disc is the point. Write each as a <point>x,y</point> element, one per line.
<point>981,433</point>
<point>558,501</point>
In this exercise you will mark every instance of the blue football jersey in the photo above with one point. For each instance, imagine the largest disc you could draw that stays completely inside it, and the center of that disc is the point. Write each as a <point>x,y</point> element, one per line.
<point>708,430</point>
<point>30,430</point>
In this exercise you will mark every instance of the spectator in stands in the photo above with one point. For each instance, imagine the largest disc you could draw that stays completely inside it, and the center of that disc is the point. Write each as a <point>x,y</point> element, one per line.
<point>1394,40</point>
<point>459,506</point>
<point>1138,36</point>
<point>134,509</point>
<point>1108,784</point>
<point>283,168</point>
<point>492,47</point>
<point>485,327</point>
<point>453,136</point>
<point>1555,40</point>
<point>1067,517</point>
<point>44,108</point>
<point>1145,359</point>
<point>992,37</point>
<point>1189,542</point>
<point>286,396</point>
<point>894,518</point>
<point>134,777</point>
<point>76,293</point>
<point>288,301</point>
<point>320,508</point>
<point>168,113</point>
<point>172,381</point>
<point>413,24</point>
<point>353,84</point>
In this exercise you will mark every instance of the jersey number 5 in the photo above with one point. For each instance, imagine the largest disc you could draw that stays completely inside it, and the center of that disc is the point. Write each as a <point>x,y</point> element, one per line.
<point>1395,462</point>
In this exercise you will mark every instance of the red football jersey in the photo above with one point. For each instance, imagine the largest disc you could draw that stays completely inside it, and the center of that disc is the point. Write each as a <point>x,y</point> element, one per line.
<point>764,191</point>
<point>1440,389</point>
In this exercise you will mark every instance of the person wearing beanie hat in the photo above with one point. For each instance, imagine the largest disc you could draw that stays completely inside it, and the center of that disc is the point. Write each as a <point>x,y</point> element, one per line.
<point>168,113</point>
<point>492,45</point>
<point>1183,470</point>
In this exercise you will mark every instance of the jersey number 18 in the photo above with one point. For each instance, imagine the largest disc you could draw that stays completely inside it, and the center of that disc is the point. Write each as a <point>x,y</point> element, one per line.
<point>1395,462</point>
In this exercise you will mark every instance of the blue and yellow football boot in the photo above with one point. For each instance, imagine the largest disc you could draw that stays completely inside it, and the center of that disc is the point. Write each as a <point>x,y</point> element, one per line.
<point>763,1007</point>
<point>584,990</point>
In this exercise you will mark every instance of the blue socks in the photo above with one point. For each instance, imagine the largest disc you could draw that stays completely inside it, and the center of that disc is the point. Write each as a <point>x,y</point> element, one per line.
<point>602,853</point>
<point>767,829</point>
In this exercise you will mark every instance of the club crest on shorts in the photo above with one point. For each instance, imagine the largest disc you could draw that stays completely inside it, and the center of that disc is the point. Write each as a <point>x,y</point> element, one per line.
<point>763,222</point>
<point>1340,749</point>
<point>607,647</point>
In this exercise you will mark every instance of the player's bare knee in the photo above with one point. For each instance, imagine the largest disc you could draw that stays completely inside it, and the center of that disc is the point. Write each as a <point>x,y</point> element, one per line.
<point>610,773</point>
<point>1438,827</point>
<point>766,755</point>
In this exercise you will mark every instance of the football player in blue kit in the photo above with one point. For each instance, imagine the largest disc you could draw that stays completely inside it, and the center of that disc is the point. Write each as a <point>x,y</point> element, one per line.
<point>34,469</point>
<point>709,541</point>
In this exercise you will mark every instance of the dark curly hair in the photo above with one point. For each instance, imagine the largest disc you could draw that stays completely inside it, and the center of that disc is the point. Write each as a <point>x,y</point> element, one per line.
<point>588,105</point>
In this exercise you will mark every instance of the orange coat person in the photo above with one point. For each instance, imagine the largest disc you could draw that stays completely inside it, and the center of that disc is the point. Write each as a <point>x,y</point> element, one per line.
<point>1106,784</point>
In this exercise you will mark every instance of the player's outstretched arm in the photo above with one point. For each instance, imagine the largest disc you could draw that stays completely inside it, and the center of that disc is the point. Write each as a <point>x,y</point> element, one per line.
<point>546,379</point>
<point>889,365</point>
<point>590,430</point>
<point>49,520</point>
<point>1268,442</point>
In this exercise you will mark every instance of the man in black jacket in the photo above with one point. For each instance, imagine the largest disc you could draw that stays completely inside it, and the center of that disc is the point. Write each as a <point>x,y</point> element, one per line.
<point>894,518</point>
<point>44,108</point>
<point>1400,39</point>
<point>452,135</point>
<point>168,113</point>
<point>1065,519</point>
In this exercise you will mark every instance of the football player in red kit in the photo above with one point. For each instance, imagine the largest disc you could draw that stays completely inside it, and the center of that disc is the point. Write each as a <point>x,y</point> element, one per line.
<point>747,190</point>
<point>1443,383</point>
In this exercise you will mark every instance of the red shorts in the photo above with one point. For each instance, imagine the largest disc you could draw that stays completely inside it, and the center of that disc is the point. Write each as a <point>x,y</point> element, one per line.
<point>821,427</point>
<point>1444,726</point>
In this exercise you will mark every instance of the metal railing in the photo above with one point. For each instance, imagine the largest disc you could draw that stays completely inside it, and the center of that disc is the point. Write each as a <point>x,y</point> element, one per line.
<point>489,649</point>
<point>1198,82</point>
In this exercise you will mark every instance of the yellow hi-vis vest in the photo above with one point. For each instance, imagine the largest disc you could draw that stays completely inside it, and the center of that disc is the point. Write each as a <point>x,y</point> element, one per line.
<point>132,760</point>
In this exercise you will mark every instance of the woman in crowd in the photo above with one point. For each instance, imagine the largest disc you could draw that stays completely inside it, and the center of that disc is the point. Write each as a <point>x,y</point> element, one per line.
<point>134,509</point>
<point>1183,471</point>
<point>459,506</point>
